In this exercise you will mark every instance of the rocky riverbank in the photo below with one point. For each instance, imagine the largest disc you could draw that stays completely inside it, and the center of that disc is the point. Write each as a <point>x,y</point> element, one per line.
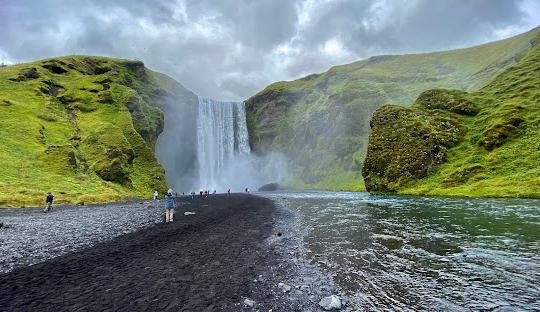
<point>238,253</point>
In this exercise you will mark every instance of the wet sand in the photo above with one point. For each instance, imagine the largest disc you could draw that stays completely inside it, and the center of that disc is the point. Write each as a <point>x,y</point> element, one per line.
<point>211,261</point>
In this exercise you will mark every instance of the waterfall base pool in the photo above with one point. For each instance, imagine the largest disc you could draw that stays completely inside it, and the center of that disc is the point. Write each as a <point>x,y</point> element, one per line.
<point>420,253</point>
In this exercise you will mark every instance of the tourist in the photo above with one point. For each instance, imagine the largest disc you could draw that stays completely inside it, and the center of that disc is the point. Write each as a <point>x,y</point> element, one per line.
<point>48,202</point>
<point>155,195</point>
<point>169,206</point>
<point>201,192</point>
<point>215,191</point>
<point>229,191</point>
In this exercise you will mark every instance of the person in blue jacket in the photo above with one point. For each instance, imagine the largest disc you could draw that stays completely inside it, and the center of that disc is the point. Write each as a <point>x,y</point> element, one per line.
<point>169,206</point>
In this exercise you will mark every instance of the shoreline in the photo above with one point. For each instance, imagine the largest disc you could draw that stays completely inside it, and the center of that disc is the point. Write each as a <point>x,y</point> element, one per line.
<point>399,193</point>
<point>231,250</point>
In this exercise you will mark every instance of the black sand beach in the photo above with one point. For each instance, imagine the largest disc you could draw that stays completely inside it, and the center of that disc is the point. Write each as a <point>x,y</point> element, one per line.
<point>210,261</point>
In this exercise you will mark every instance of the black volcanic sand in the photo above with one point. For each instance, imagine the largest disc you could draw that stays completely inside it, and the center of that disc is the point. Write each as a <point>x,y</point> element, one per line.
<point>210,261</point>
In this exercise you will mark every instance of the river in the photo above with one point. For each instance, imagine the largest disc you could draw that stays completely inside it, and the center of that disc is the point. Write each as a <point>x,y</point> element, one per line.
<point>424,253</point>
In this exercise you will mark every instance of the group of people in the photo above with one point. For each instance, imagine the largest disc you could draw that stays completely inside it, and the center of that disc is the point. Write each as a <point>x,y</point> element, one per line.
<point>169,201</point>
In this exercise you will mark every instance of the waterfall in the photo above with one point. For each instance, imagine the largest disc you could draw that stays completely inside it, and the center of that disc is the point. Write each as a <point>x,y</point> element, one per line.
<point>222,141</point>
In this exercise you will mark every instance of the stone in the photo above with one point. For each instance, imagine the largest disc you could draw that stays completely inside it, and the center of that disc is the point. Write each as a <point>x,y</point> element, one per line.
<point>188,213</point>
<point>269,187</point>
<point>329,303</point>
<point>284,287</point>
<point>249,303</point>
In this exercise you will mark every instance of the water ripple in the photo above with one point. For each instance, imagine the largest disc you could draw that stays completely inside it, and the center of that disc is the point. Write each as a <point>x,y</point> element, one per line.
<point>423,253</point>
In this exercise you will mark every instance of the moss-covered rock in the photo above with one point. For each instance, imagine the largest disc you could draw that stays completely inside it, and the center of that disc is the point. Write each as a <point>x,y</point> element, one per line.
<point>27,74</point>
<point>500,133</point>
<point>462,175</point>
<point>451,100</point>
<point>114,169</point>
<point>404,146</point>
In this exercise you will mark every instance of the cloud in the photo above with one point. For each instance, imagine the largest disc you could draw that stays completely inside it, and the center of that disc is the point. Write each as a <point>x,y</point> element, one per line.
<point>232,49</point>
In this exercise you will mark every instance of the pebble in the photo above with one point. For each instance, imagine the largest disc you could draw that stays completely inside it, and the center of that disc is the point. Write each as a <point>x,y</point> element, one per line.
<point>284,287</point>
<point>332,302</point>
<point>248,302</point>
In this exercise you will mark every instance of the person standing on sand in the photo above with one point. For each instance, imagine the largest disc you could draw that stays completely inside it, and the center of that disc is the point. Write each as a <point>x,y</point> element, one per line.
<point>169,206</point>
<point>155,195</point>
<point>48,202</point>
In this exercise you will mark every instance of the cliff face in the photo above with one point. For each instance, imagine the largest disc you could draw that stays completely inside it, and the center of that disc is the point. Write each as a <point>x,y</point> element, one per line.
<point>82,127</point>
<point>321,122</point>
<point>484,143</point>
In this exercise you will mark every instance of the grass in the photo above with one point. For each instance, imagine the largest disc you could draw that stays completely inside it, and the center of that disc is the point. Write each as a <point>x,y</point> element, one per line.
<point>81,127</point>
<point>498,155</point>
<point>321,122</point>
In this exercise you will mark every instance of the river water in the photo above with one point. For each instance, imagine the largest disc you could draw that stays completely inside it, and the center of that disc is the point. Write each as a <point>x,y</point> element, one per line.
<point>424,253</point>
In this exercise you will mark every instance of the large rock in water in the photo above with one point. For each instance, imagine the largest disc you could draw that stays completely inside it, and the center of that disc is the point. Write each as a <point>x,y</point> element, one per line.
<point>407,143</point>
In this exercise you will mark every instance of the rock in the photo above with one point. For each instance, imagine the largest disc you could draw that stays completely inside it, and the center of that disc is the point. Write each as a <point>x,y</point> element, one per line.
<point>406,144</point>
<point>269,187</point>
<point>29,73</point>
<point>188,213</point>
<point>249,303</point>
<point>332,302</point>
<point>284,287</point>
<point>450,100</point>
<point>1,225</point>
<point>54,67</point>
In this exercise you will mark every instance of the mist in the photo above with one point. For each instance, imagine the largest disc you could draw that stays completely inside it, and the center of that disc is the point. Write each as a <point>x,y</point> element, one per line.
<point>176,146</point>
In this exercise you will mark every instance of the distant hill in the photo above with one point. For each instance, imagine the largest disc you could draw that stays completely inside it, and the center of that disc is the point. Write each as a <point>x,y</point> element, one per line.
<point>321,122</point>
<point>84,128</point>
<point>483,143</point>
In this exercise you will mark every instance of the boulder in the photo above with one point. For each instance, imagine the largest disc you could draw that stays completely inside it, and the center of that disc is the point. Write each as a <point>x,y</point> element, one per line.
<point>269,187</point>
<point>406,145</point>
<point>329,303</point>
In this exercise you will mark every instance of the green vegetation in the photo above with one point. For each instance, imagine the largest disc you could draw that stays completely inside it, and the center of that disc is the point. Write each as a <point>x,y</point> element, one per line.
<point>81,127</point>
<point>484,143</point>
<point>321,122</point>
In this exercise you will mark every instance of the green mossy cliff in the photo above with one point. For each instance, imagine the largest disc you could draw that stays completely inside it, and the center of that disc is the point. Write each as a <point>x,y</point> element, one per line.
<point>483,143</point>
<point>321,122</point>
<point>82,127</point>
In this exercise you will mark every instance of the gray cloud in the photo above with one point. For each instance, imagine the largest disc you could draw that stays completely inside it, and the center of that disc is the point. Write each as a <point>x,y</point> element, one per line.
<point>232,49</point>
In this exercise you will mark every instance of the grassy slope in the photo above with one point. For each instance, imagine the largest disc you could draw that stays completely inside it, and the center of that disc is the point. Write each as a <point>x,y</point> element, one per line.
<point>509,117</point>
<point>321,122</point>
<point>86,134</point>
<point>440,146</point>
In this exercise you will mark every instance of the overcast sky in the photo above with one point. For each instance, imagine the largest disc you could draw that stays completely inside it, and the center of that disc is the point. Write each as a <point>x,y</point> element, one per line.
<point>232,49</point>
